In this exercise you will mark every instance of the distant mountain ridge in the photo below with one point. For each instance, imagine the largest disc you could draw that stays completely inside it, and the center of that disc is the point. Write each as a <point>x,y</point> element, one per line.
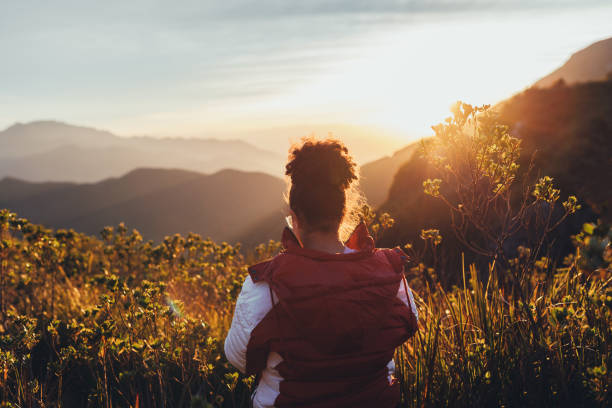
<point>22,139</point>
<point>377,176</point>
<point>569,125</point>
<point>592,63</point>
<point>226,205</point>
<point>56,151</point>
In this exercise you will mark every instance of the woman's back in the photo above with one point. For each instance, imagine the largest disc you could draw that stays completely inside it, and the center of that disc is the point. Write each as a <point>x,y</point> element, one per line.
<point>318,326</point>
<point>330,336</point>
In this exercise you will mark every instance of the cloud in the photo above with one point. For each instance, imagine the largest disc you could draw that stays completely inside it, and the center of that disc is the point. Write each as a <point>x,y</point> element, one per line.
<point>92,59</point>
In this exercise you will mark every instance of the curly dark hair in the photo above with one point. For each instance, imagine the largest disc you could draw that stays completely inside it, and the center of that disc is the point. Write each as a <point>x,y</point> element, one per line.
<point>322,174</point>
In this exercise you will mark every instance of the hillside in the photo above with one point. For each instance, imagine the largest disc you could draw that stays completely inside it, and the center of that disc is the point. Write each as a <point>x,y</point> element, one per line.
<point>377,176</point>
<point>55,151</point>
<point>157,202</point>
<point>592,63</point>
<point>571,130</point>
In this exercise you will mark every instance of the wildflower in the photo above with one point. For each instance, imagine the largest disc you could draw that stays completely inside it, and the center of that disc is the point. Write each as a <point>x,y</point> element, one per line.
<point>433,235</point>
<point>432,187</point>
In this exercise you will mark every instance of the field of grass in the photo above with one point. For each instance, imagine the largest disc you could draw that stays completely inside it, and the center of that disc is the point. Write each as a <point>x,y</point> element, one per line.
<point>120,322</point>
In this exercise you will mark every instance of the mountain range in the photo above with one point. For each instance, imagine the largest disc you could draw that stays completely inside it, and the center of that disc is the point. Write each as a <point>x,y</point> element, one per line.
<point>591,64</point>
<point>569,124</point>
<point>56,151</point>
<point>226,205</point>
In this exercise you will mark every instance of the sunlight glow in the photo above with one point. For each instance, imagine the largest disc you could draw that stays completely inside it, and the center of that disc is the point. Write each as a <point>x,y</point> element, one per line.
<point>236,78</point>
<point>408,78</point>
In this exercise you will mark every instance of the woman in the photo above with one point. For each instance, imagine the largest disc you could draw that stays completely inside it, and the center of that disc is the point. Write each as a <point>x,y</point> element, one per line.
<point>319,323</point>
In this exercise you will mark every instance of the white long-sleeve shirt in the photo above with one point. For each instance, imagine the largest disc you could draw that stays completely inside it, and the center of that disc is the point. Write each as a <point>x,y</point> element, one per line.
<point>253,304</point>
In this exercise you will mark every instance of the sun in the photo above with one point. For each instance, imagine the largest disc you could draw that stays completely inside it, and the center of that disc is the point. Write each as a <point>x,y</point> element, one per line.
<point>407,79</point>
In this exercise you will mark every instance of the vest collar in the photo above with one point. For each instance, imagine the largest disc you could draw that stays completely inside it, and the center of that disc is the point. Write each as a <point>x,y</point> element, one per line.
<point>360,240</point>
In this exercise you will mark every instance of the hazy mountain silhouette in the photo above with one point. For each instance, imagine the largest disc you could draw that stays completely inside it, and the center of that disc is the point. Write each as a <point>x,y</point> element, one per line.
<point>225,205</point>
<point>55,151</point>
<point>570,126</point>
<point>377,176</point>
<point>41,136</point>
<point>571,130</point>
<point>358,138</point>
<point>592,63</point>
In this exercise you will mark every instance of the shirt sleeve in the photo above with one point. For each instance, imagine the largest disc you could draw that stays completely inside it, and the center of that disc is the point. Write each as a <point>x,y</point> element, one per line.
<point>404,293</point>
<point>253,303</point>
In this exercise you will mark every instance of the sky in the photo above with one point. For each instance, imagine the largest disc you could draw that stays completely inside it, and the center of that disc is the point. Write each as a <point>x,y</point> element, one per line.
<point>237,67</point>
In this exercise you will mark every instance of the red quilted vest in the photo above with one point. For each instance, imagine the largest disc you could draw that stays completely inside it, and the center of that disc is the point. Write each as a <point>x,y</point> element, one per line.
<point>336,324</point>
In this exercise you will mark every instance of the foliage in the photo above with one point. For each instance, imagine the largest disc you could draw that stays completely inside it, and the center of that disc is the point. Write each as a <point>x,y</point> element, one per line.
<point>121,322</point>
<point>594,250</point>
<point>475,346</point>
<point>564,133</point>
<point>478,161</point>
<point>132,324</point>
<point>117,321</point>
<point>546,341</point>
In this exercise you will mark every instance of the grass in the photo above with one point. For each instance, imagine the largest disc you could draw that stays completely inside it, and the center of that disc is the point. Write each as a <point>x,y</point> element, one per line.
<point>476,346</point>
<point>119,322</point>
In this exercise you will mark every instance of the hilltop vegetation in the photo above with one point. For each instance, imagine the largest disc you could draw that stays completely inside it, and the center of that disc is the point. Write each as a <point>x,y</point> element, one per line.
<point>569,129</point>
<point>121,322</point>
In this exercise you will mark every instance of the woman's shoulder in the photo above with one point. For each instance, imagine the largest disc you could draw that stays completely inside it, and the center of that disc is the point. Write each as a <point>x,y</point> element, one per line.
<point>394,256</point>
<point>261,271</point>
